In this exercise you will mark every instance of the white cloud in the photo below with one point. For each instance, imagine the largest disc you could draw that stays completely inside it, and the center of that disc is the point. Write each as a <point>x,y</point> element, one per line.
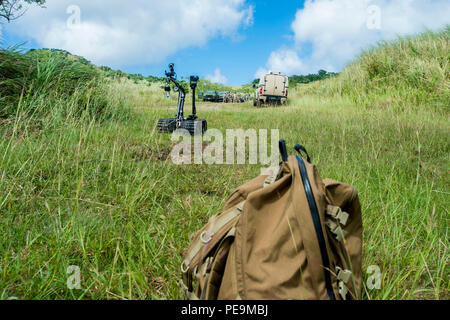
<point>283,60</point>
<point>260,73</point>
<point>121,34</point>
<point>217,77</point>
<point>336,31</point>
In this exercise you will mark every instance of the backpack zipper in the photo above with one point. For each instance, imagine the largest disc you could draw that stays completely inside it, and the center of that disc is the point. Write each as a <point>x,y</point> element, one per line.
<point>317,226</point>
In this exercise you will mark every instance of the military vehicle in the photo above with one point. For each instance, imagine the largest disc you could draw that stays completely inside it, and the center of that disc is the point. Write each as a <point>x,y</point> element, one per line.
<point>272,89</point>
<point>211,95</point>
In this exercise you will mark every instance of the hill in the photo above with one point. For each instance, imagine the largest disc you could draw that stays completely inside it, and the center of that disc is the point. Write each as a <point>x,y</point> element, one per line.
<point>410,72</point>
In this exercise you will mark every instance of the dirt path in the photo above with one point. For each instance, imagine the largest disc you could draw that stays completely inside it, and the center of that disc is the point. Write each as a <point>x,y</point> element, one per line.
<point>200,106</point>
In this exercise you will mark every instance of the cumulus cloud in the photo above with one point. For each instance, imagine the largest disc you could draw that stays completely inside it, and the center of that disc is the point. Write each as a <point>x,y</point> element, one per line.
<point>283,60</point>
<point>217,77</point>
<point>119,33</point>
<point>336,31</point>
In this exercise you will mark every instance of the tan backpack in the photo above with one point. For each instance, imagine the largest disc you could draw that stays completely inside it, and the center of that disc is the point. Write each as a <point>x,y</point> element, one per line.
<point>286,234</point>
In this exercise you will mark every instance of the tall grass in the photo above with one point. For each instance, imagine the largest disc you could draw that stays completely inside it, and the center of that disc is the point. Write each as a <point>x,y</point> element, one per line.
<point>45,84</point>
<point>144,94</point>
<point>107,198</point>
<point>408,73</point>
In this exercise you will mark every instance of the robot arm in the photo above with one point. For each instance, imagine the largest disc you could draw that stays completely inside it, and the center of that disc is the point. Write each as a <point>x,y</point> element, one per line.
<point>171,76</point>
<point>193,84</point>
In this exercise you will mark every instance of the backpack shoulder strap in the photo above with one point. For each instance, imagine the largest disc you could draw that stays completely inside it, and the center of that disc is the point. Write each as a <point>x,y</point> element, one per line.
<point>206,240</point>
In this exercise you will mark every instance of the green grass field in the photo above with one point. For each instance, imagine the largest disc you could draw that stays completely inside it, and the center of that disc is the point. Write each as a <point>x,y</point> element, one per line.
<point>105,196</point>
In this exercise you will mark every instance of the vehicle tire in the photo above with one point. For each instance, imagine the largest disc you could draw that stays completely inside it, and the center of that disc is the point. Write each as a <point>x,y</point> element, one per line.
<point>259,103</point>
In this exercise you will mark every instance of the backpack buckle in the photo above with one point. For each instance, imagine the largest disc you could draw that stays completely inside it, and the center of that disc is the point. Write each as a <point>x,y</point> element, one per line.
<point>336,229</point>
<point>339,220</point>
<point>339,233</point>
<point>338,214</point>
<point>343,276</point>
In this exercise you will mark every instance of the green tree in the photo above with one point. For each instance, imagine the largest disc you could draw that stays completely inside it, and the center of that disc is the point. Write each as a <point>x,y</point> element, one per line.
<point>322,73</point>
<point>14,9</point>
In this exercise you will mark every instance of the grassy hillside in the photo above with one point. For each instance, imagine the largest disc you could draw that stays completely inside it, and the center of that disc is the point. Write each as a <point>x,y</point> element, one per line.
<point>102,193</point>
<point>52,86</point>
<point>405,74</point>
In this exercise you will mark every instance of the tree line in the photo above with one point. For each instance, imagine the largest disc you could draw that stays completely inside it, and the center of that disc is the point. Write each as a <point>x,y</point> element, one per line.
<point>304,79</point>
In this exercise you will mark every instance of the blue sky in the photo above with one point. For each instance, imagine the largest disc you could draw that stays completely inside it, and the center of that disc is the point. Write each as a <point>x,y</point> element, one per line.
<point>238,59</point>
<point>227,41</point>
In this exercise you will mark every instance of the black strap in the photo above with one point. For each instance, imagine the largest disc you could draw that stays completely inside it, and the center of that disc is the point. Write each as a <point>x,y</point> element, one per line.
<point>283,150</point>
<point>317,226</point>
<point>299,148</point>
